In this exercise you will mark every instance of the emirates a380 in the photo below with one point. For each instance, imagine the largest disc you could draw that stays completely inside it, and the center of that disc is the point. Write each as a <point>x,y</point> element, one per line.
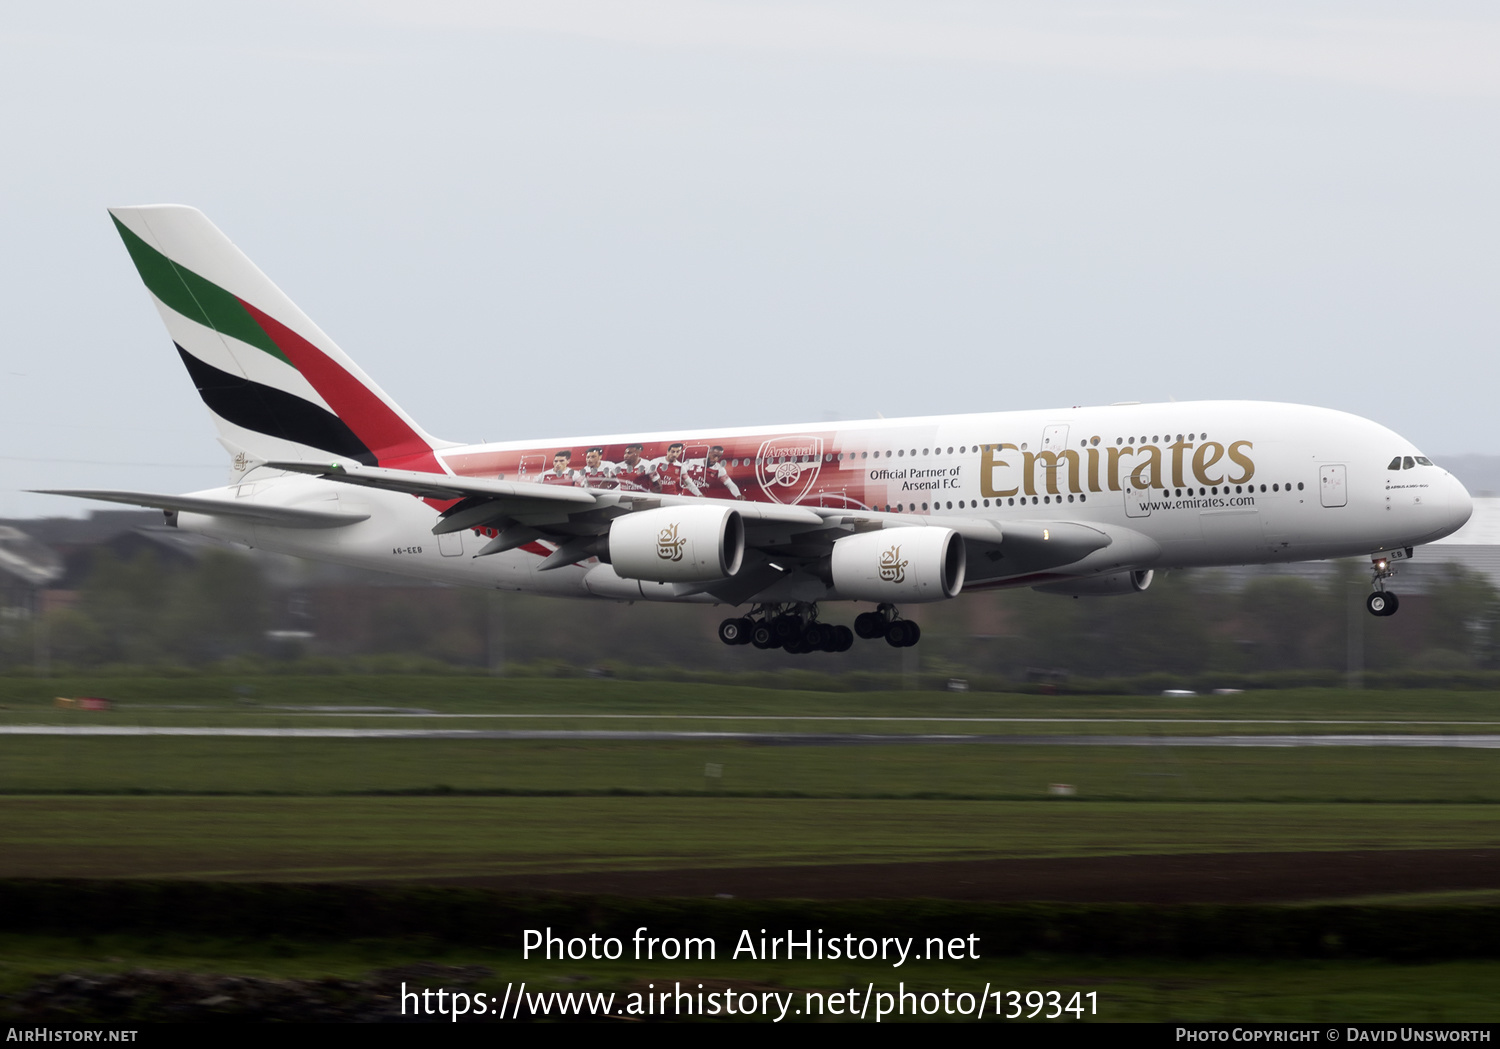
<point>772,522</point>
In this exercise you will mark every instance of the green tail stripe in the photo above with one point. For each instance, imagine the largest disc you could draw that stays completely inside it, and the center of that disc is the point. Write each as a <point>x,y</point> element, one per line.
<point>193,297</point>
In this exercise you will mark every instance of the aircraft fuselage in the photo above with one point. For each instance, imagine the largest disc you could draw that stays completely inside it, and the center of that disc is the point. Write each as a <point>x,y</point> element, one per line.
<point>1199,483</point>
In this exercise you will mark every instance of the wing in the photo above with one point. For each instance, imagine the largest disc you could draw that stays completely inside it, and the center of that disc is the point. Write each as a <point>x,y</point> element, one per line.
<point>284,516</point>
<point>780,539</point>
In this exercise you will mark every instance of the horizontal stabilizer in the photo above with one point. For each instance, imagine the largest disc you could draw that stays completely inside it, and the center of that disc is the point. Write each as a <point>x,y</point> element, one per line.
<point>284,516</point>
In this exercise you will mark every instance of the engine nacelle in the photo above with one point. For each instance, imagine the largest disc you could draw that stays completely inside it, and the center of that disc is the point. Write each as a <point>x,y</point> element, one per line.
<point>678,544</point>
<point>1102,586</point>
<point>900,564</point>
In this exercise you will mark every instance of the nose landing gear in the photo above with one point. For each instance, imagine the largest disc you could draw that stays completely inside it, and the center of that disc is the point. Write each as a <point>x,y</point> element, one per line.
<point>1382,602</point>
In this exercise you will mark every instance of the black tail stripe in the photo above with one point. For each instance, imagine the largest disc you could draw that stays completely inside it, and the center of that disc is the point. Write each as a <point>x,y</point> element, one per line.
<point>274,412</point>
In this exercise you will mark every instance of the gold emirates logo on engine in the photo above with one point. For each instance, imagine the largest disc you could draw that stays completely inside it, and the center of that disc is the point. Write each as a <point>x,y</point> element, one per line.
<point>668,546</point>
<point>892,567</point>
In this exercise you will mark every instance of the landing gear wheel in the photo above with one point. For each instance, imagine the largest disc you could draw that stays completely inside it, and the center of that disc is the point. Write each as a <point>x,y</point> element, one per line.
<point>787,628</point>
<point>843,639</point>
<point>814,636</point>
<point>1382,603</point>
<point>870,625</point>
<point>903,633</point>
<point>735,631</point>
<point>762,636</point>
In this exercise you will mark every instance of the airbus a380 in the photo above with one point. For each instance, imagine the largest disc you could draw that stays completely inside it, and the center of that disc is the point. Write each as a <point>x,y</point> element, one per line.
<point>774,520</point>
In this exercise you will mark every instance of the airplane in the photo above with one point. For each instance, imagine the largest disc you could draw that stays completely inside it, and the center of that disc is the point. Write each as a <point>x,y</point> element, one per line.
<point>771,521</point>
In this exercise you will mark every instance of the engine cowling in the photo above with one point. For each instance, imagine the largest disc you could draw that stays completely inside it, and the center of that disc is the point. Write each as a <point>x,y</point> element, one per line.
<point>678,544</point>
<point>1102,586</point>
<point>900,564</point>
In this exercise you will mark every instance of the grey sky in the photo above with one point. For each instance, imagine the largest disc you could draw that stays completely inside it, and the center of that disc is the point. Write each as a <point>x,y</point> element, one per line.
<point>534,219</point>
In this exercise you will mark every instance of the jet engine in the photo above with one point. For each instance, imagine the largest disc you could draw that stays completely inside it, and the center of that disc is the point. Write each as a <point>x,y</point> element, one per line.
<point>1103,585</point>
<point>899,564</point>
<point>678,544</point>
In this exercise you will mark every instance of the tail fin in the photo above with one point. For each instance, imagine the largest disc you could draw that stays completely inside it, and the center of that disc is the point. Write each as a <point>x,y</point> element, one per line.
<point>277,386</point>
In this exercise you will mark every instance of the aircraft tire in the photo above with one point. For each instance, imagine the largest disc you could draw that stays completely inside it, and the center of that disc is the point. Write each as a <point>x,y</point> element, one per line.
<point>843,639</point>
<point>896,634</point>
<point>1382,603</point>
<point>787,628</point>
<point>762,636</point>
<point>913,633</point>
<point>735,631</point>
<point>815,637</point>
<point>869,625</point>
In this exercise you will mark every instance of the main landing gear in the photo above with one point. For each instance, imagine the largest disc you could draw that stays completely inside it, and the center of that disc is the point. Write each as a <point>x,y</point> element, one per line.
<point>1382,602</point>
<point>795,628</point>
<point>885,622</point>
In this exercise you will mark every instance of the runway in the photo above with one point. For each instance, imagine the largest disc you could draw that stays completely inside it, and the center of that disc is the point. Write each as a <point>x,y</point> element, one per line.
<point>782,739</point>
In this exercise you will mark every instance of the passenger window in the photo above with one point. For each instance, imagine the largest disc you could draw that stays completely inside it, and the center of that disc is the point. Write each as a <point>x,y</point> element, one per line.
<point>1395,464</point>
<point>1408,463</point>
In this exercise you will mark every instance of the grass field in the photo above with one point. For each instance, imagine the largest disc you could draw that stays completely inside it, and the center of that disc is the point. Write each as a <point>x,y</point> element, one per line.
<point>300,766</point>
<point>361,838</point>
<point>374,809</point>
<point>299,807</point>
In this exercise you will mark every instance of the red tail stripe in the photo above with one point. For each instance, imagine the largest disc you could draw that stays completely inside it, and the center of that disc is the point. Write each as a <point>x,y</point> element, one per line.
<point>386,434</point>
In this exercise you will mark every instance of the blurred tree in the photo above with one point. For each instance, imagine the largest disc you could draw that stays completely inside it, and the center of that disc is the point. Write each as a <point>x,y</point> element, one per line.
<point>217,608</point>
<point>124,600</point>
<point>1463,610</point>
<point>1297,623</point>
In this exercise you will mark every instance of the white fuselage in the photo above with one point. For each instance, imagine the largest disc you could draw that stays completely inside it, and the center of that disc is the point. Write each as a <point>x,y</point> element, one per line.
<point>1206,483</point>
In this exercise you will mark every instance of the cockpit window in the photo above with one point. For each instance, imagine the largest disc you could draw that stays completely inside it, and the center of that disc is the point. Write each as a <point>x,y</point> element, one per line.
<point>1395,464</point>
<point>1424,460</point>
<point>1408,463</point>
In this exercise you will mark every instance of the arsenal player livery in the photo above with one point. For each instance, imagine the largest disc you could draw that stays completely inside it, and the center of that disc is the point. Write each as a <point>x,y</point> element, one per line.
<point>772,521</point>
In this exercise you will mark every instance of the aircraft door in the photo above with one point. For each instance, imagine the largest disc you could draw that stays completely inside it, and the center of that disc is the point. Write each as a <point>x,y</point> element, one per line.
<point>532,467</point>
<point>451,544</point>
<point>1137,501</point>
<point>1055,437</point>
<point>1333,486</point>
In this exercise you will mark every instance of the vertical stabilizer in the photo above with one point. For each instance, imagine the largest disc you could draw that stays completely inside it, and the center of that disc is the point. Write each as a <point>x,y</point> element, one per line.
<point>278,387</point>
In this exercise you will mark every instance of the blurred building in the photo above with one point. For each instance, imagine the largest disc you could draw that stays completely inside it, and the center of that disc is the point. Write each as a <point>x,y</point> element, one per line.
<point>27,569</point>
